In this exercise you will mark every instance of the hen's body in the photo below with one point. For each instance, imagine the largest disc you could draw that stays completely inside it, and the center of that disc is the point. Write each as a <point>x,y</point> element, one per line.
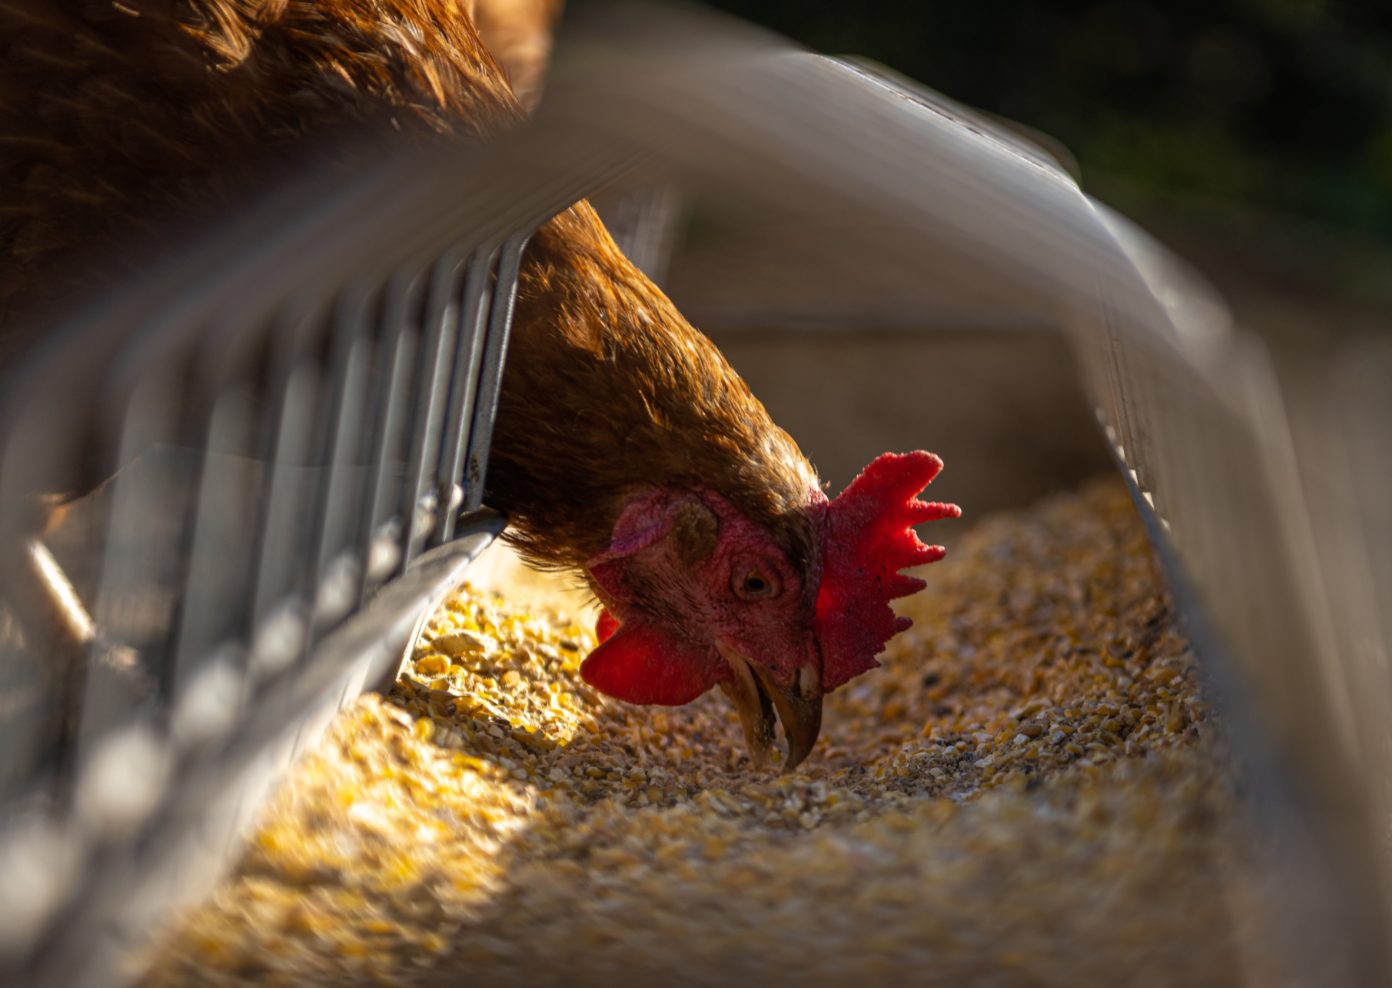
<point>119,117</point>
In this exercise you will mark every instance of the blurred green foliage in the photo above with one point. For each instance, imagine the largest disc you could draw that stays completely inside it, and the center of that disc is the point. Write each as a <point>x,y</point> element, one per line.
<point>1281,106</point>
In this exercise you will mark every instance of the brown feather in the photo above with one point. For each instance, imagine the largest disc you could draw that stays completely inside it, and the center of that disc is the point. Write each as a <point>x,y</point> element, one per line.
<point>609,390</point>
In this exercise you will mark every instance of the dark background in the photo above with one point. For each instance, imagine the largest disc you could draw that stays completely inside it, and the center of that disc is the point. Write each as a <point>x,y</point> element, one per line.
<point>1255,136</point>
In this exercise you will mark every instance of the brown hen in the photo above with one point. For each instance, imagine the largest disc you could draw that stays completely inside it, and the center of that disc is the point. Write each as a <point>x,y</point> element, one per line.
<point>625,446</point>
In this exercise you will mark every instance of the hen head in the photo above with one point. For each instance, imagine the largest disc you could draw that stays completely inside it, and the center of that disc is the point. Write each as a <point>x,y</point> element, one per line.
<point>697,595</point>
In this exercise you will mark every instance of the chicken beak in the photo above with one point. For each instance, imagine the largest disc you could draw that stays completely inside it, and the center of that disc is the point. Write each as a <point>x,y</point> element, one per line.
<point>756,698</point>
<point>800,710</point>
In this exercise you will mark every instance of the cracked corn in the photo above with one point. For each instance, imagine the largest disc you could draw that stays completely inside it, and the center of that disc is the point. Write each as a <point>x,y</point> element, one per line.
<point>1031,791</point>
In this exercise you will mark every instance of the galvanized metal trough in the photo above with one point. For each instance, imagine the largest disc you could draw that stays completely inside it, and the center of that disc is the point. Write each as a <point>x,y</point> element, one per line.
<point>283,432</point>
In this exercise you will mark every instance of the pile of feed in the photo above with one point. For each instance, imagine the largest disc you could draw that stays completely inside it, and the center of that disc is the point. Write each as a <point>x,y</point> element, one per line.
<point>1031,791</point>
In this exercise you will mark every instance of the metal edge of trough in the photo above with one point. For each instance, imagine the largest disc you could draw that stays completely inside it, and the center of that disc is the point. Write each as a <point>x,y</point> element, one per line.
<point>1294,846</point>
<point>215,798</point>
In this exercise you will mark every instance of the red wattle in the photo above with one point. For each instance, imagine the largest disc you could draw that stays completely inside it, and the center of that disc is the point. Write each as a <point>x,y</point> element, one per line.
<point>641,664</point>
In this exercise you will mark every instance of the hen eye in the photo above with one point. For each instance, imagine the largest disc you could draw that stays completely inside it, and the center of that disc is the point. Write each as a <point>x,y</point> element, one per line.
<point>755,584</point>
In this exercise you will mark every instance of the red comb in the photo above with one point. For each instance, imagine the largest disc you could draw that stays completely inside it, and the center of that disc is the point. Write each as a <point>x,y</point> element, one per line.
<point>868,538</point>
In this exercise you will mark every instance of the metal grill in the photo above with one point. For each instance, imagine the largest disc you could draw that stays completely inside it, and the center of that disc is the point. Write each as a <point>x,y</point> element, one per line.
<point>265,467</point>
<point>1260,499</point>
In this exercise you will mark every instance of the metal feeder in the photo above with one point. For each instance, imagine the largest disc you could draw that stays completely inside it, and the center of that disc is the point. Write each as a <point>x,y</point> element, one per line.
<point>289,423</point>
